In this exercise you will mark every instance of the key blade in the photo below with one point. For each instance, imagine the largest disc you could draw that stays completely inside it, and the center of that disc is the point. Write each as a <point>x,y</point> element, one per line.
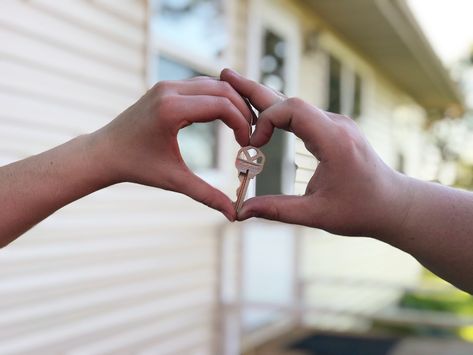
<point>241,191</point>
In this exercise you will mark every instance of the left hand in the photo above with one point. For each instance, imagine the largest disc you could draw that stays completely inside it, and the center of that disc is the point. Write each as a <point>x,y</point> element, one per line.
<point>141,143</point>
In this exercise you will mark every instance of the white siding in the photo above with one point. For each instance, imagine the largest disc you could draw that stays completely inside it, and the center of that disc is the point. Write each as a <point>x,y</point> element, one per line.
<point>129,269</point>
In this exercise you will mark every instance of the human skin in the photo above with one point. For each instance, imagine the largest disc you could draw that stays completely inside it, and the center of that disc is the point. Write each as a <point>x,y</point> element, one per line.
<point>139,146</point>
<point>354,193</point>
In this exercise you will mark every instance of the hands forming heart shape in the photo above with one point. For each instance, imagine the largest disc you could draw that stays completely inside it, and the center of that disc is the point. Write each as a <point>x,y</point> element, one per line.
<point>336,198</point>
<point>352,191</point>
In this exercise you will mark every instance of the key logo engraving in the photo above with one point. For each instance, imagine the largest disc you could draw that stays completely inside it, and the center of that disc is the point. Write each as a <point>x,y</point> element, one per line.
<point>250,159</point>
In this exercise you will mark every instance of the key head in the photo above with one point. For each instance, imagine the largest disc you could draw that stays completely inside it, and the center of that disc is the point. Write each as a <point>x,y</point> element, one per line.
<point>250,160</point>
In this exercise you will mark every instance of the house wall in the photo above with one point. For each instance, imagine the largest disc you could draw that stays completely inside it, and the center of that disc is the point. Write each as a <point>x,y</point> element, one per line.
<point>127,269</point>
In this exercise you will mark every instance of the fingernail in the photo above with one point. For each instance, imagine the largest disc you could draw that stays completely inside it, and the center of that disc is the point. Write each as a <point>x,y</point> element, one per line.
<point>233,71</point>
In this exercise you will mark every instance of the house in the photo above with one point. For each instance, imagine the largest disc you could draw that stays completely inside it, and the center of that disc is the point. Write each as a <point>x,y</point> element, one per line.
<point>132,269</point>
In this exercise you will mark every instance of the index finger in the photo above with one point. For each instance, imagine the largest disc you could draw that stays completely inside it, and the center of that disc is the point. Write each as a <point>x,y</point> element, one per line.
<point>308,123</point>
<point>259,95</point>
<point>205,108</point>
<point>215,87</point>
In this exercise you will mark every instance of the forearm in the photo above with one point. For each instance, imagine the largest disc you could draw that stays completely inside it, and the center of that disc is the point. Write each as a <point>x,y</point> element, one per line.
<point>33,188</point>
<point>437,228</point>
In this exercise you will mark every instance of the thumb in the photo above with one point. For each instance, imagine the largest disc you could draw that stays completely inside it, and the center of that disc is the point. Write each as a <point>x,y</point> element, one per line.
<point>193,186</point>
<point>288,209</point>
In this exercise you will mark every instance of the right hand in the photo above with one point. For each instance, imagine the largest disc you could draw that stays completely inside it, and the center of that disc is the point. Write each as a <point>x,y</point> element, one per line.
<point>352,192</point>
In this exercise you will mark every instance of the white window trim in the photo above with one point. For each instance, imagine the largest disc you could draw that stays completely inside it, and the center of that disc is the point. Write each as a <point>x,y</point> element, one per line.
<point>261,17</point>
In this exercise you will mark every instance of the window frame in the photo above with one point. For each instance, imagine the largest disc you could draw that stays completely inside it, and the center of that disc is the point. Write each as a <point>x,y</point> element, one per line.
<point>159,46</point>
<point>263,17</point>
<point>342,84</point>
<point>348,76</point>
<point>361,98</point>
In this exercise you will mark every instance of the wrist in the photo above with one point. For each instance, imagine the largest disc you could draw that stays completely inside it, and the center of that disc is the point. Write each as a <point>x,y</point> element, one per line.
<point>398,209</point>
<point>100,158</point>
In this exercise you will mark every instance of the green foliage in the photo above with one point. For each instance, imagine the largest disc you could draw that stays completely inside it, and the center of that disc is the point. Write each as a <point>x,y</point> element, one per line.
<point>450,300</point>
<point>455,302</point>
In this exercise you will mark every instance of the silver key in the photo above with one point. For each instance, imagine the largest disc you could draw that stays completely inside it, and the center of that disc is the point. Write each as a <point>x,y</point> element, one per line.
<point>249,162</point>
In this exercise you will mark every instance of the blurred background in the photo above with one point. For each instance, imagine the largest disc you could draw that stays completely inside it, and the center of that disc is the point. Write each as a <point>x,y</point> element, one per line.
<point>135,270</point>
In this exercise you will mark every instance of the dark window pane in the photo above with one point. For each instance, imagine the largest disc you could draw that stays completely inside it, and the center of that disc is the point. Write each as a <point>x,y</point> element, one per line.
<point>198,142</point>
<point>269,182</point>
<point>335,85</point>
<point>401,163</point>
<point>273,61</point>
<point>357,97</point>
<point>272,74</point>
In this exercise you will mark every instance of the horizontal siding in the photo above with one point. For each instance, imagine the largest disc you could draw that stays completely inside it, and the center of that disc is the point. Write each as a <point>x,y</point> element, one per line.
<point>93,324</point>
<point>128,269</point>
<point>31,80</point>
<point>143,339</point>
<point>70,37</point>
<point>132,11</point>
<point>72,63</point>
<point>327,258</point>
<point>102,20</point>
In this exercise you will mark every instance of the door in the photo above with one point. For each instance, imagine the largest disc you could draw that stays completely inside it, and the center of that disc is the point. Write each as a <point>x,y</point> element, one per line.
<point>268,247</point>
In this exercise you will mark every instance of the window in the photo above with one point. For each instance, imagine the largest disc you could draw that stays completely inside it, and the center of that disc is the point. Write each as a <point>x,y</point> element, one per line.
<point>272,62</point>
<point>272,66</point>
<point>401,162</point>
<point>198,142</point>
<point>345,89</point>
<point>357,98</point>
<point>189,38</point>
<point>335,86</point>
<point>196,26</point>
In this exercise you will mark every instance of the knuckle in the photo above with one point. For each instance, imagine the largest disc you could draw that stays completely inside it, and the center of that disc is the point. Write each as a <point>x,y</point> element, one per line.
<point>166,104</point>
<point>226,87</point>
<point>224,102</point>
<point>349,137</point>
<point>295,102</point>
<point>162,87</point>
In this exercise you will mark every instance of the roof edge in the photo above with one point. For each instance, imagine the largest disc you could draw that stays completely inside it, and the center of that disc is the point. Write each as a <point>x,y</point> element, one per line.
<point>400,16</point>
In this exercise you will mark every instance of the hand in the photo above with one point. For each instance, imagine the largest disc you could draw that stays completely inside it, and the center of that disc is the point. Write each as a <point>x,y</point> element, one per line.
<point>352,192</point>
<point>141,143</point>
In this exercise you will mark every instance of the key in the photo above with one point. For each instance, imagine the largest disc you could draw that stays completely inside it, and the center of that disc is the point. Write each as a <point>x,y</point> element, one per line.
<point>249,162</point>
